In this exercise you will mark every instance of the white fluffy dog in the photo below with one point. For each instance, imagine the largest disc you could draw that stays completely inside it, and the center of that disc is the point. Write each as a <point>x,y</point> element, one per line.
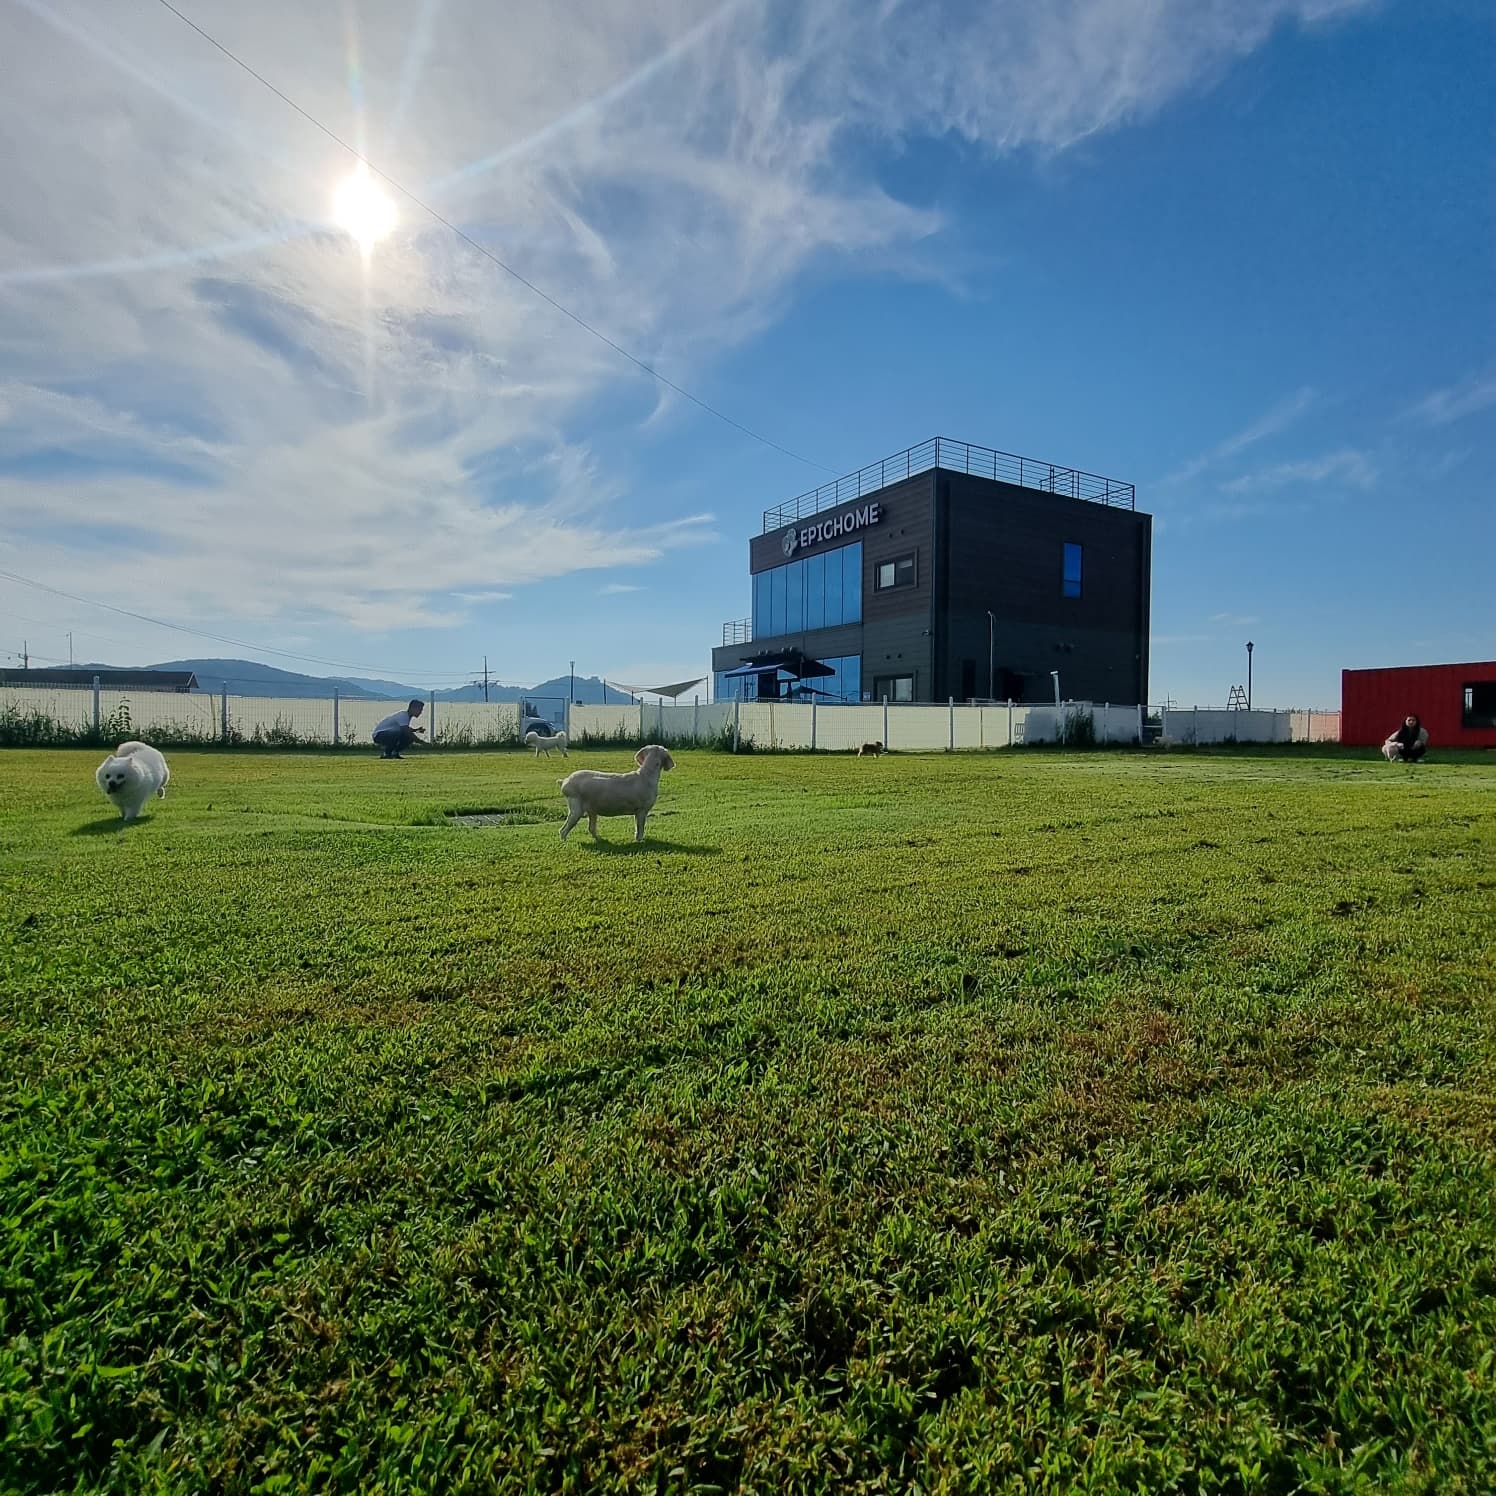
<point>542,744</point>
<point>592,794</point>
<point>131,775</point>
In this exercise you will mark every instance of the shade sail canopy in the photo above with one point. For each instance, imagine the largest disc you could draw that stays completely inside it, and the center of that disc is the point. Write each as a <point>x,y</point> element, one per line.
<point>678,689</point>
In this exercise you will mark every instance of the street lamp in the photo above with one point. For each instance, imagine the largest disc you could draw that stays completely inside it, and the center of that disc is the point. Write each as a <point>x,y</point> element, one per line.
<point>991,671</point>
<point>573,682</point>
<point>1249,675</point>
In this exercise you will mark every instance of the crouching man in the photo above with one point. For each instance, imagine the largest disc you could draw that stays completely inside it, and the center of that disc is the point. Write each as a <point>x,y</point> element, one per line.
<point>397,731</point>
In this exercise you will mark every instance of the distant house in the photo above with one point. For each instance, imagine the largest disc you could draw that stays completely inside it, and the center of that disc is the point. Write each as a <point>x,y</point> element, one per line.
<point>109,680</point>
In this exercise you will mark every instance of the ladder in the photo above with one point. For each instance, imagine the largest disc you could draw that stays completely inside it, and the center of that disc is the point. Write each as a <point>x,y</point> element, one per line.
<point>1236,701</point>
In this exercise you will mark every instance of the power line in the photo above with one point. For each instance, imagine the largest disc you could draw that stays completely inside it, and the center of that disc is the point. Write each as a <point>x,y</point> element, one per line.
<point>485,252</point>
<point>178,628</point>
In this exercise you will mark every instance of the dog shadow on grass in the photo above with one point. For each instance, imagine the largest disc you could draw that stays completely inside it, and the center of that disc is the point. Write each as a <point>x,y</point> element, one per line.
<point>109,826</point>
<point>652,844</point>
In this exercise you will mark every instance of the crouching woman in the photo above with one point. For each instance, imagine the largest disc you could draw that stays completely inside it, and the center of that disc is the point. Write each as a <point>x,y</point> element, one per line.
<point>1408,744</point>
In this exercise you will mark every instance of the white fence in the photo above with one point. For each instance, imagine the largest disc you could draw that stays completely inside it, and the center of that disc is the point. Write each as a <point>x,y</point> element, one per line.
<point>217,717</point>
<point>1201,725</point>
<point>908,729</point>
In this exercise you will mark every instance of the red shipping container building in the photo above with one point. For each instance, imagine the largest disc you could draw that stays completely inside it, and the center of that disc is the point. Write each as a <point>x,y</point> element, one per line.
<point>1456,703</point>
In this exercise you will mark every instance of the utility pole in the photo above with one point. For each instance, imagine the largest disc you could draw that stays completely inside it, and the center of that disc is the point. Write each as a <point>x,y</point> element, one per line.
<point>70,649</point>
<point>573,682</point>
<point>485,678</point>
<point>25,656</point>
<point>1249,675</point>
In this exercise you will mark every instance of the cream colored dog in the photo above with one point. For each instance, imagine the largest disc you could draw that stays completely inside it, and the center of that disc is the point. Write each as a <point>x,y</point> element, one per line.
<point>131,775</point>
<point>592,794</point>
<point>542,744</point>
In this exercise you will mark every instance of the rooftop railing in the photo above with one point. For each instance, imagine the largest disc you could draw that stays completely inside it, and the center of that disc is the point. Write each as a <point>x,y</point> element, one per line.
<point>957,457</point>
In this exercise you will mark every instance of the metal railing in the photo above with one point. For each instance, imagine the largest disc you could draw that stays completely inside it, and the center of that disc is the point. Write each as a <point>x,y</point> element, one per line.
<point>738,631</point>
<point>958,457</point>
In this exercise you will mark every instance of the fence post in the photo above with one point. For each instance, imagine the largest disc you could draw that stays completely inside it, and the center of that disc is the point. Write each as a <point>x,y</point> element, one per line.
<point>1106,711</point>
<point>96,705</point>
<point>1010,715</point>
<point>1140,724</point>
<point>737,713</point>
<point>951,702</point>
<point>431,736</point>
<point>225,711</point>
<point>1195,726</point>
<point>813,706</point>
<point>696,720</point>
<point>887,746</point>
<point>641,719</point>
<point>335,722</point>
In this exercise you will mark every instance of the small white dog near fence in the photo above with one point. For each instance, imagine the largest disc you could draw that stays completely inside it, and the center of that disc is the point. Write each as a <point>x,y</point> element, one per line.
<point>543,744</point>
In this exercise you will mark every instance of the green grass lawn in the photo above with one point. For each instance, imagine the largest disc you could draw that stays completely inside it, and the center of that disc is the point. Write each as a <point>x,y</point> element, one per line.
<point>1112,1122</point>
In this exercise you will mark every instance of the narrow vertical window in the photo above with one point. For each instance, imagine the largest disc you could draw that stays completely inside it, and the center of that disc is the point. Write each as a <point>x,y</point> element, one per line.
<point>1071,574</point>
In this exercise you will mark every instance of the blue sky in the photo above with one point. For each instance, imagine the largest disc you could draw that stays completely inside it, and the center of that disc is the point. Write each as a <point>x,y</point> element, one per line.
<point>1239,252</point>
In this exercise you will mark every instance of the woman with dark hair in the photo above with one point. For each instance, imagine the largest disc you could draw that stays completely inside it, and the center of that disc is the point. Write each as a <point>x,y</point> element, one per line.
<point>1408,744</point>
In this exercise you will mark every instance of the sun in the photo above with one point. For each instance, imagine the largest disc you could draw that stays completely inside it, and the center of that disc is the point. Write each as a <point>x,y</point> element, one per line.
<point>363,210</point>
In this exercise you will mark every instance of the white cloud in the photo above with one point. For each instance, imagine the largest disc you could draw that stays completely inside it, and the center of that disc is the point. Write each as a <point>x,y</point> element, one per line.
<point>617,589</point>
<point>1345,466</point>
<point>1235,620</point>
<point>1281,416</point>
<point>1468,398</point>
<point>483,597</point>
<point>214,413</point>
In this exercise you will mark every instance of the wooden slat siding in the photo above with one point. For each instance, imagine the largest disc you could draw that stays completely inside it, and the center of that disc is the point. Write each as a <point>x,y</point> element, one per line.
<point>1006,553</point>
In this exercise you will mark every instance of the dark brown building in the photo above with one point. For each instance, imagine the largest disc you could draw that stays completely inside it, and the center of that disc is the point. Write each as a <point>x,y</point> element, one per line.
<point>947,571</point>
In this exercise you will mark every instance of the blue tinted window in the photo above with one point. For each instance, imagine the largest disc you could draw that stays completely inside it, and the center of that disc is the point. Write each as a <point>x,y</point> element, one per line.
<point>1071,582</point>
<point>815,592</point>
<point>851,677</point>
<point>761,604</point>
<point>852,583</point>
<point>794,598</point>
<point>776,600</point>
<point>833,589</point>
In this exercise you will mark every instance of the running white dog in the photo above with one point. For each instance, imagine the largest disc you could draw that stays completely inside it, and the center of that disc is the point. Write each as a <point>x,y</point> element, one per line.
<point>593,794</point>
<point>542,744</point>
<point>131,775</point>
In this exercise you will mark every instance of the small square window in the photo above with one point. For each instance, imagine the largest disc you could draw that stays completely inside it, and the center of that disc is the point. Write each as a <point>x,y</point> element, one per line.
<point>894,688</point>
<point>1479,706</point>
<point>896,573</point>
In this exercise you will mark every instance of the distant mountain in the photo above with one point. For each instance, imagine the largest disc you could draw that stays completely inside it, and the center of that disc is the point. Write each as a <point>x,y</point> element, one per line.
<point>250,678</point>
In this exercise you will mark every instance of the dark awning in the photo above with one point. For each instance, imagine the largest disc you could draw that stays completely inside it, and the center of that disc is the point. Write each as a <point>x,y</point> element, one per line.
<point>793,662</point>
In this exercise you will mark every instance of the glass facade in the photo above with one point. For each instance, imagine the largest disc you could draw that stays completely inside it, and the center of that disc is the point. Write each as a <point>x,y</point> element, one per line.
<point>843,687</point>
<point>818,592</point>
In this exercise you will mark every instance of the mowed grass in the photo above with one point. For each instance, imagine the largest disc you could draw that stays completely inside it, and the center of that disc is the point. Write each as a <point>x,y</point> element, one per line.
<point>1010,1123</point>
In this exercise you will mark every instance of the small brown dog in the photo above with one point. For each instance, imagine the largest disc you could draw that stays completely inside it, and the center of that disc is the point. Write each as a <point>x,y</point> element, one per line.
<point>870,750</point>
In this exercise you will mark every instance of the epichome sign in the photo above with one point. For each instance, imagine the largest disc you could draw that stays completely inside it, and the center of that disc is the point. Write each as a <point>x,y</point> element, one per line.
<point>830,529</point>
